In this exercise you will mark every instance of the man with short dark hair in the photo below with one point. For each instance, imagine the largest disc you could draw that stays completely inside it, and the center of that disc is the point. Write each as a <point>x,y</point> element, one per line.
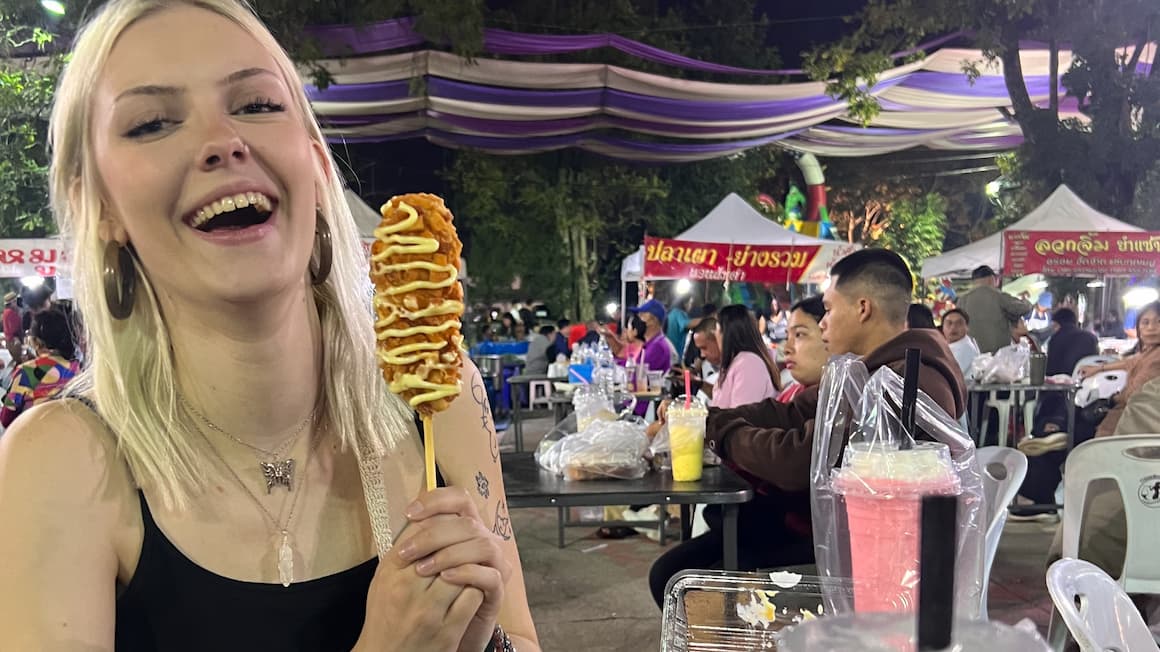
<point>560,345</point>
<point>537,361</point>
<point>707,311</point>
<point>992,310</point>
<point>866,306</point>
<point>705,341</point>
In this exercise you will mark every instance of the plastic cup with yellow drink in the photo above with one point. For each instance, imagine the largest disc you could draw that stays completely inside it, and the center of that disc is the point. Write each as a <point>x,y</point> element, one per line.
<point>686,421</point>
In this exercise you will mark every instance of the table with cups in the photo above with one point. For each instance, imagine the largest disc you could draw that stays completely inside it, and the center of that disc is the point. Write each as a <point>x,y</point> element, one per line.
<point>528,485</point>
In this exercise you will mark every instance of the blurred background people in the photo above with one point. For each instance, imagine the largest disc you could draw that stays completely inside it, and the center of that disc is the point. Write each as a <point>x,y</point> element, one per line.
<point>47,373</point>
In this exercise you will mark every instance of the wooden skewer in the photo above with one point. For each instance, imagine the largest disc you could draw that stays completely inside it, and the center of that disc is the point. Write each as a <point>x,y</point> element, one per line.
<point>429,451</point>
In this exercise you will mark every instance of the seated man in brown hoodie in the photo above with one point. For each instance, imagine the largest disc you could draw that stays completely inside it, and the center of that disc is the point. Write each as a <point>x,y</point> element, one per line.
<point>866,306</point>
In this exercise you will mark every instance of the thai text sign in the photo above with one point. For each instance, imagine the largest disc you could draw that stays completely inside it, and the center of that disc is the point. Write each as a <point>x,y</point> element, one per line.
<point>1080,253</point>
<point>31,257</point>
<point>665,258</point>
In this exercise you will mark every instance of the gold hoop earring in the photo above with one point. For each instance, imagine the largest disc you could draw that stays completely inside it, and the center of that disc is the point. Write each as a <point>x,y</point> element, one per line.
<point>320,269</point>
<point>120,280</point>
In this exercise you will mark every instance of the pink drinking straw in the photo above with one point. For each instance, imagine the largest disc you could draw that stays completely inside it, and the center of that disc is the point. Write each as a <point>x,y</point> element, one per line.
<point>688,389</point>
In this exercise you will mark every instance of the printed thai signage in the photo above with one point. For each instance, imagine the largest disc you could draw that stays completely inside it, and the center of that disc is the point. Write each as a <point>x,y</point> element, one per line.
<point>21,257</point>
<point>664,258</point>
<point>1071,253</point>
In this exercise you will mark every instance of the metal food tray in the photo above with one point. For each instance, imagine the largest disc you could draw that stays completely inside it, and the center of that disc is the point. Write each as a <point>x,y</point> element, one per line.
<point>700,612</point>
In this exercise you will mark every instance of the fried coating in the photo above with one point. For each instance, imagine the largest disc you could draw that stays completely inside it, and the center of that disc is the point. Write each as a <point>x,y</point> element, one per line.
<point>418,301</point>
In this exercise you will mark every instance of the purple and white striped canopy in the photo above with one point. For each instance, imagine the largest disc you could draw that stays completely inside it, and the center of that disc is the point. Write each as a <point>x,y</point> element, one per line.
<point>519,107</point>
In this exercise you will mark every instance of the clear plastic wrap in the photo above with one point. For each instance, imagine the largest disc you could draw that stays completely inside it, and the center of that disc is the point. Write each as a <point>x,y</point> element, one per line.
<point>870,490</point>
<point>605,449</point>
<point>1009,364</point>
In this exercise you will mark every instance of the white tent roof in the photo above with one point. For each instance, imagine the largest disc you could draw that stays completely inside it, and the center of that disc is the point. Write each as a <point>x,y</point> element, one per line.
<point>1062,211</point>
<point>734,221</point>
<point>366,217</point>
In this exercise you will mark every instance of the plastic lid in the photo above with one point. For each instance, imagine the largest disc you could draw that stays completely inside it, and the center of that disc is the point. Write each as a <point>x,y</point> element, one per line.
<point>926,462</point>
<point>896,633</point>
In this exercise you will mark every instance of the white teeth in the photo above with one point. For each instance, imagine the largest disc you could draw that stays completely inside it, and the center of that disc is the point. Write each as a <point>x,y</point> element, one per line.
<point>227,204</point>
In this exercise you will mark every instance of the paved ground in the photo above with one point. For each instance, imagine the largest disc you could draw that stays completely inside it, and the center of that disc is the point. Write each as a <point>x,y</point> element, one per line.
<point>593,594</point>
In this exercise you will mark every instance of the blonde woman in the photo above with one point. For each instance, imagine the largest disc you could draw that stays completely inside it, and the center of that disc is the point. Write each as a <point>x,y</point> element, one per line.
<point>210,488</point>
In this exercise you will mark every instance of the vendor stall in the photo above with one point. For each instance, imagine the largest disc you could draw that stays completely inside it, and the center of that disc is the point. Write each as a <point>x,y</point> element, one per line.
<point>1057,239</point>
<point>734,242</point>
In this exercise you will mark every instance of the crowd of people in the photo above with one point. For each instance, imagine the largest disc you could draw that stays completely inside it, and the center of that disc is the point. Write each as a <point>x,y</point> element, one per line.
<point>44,356</point>
<point>142,469</point>
<point>763,430</point>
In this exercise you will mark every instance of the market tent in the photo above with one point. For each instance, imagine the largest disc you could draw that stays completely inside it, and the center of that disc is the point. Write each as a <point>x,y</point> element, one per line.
<point>734,221</point>
<point>1062,211</point>
<point>368,220</point>
<point>366,217</point>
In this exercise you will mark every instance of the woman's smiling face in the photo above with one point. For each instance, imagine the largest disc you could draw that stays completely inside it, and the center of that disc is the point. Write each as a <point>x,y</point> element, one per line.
<point>206,166</point>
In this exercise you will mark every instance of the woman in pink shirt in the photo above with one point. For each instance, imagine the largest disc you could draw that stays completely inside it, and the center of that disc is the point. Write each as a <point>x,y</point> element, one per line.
<point>748,372</point>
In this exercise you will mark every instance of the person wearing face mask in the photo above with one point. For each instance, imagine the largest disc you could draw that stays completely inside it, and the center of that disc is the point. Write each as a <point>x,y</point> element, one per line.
<point>232,408</point>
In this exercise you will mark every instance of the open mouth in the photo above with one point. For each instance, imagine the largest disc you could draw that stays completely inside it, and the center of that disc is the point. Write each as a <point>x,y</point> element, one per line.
<point>238,212</point>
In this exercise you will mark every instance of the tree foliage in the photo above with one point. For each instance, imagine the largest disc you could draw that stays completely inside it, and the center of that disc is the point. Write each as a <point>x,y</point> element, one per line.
<point>565,220</point>
<point>561,223</point>
<point>26,89</point>
<point>1104,157</point>
<point>919,227</point>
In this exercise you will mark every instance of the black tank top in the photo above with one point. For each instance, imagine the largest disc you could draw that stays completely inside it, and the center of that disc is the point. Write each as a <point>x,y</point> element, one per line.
<point>174,605</point>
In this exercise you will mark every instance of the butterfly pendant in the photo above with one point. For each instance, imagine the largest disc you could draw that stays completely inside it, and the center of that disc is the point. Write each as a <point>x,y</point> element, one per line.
<point>278,473</point>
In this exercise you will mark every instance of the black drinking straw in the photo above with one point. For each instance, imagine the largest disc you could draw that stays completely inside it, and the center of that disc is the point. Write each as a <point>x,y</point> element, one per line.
<point>936,572</point>
<point>909,395</point>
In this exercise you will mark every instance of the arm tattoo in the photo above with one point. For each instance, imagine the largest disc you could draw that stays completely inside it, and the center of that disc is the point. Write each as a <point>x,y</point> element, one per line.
<point>503,524</point>
<point>480,395</point>
<point>481,484</point>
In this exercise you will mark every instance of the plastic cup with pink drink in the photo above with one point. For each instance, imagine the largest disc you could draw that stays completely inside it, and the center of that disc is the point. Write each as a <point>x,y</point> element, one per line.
<point>882,487</point>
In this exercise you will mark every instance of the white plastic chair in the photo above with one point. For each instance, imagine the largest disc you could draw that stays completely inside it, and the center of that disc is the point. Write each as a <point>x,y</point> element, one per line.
<point>539,391</point>
<point>1004,407</point>
<point>1098,613</point>
<point>1092,360</point>
<point>1132,462</point>
<point>1003,472</point>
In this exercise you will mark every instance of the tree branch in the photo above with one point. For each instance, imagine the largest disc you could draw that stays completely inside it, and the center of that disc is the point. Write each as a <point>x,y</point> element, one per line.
<point>1025,111</point>
<point>1125,126</point>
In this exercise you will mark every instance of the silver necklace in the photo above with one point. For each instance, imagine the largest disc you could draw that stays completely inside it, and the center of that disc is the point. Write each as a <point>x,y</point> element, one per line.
<point>283,544</point>
<point>277,469</point>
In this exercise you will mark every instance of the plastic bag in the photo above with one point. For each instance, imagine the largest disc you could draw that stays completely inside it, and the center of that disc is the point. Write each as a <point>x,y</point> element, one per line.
<point>1010,364</point>
<point>865,495</point>
<point>605,449</point>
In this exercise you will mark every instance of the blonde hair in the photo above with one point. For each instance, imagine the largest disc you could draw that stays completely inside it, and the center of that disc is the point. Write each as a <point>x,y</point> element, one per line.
<point>130,367</point>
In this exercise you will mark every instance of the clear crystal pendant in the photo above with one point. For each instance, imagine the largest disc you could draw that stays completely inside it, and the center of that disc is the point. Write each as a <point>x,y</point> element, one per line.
<point>286,560</point>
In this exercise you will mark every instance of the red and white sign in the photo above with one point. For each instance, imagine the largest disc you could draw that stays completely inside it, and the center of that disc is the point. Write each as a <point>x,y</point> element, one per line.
<point>664,258</point>
<point>20,257</point>
<point>1072,253</point>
